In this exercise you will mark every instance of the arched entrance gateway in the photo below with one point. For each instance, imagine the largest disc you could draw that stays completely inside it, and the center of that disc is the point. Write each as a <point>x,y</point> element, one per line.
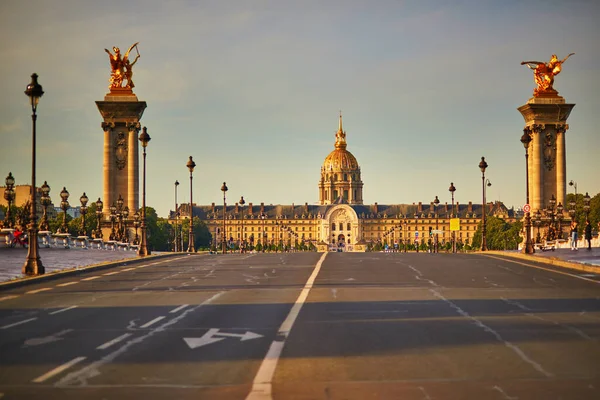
<point>341,227</point>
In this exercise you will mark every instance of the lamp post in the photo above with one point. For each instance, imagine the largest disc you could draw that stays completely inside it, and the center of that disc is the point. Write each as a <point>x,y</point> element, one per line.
<point>9,196</point>
<point>125,214</point>
<point>264,234</point>
<point>99,207</point>
<point>482,166</point>
<point>176,218</point>
<point>143,250</point>
<point>436,202</point>
<point>45,202</point>
<point>191,165</point>
<point>242,246</point>
<point>586,205</point>
<point>537,219</point>
<point>113,217</point>
<point>64,205</point>
<point>224,190</point>
<point>136,225</point>
<point>452,189</point>
<point>119,211</point>
<point>33,263</point>
<point>528,248</point>
<point>550,212</point>
<point>84,200</point>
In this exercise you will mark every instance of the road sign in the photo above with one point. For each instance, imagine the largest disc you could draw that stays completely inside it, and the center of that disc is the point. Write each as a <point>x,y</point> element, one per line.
<point>526,208</point>
<point>417,235</point>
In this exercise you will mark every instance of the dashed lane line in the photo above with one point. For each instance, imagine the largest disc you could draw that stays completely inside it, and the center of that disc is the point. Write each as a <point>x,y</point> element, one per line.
<point>38,290</point>
<point>128,269</point>
<point>8,297</point>
<point>155,320</point>
<point>67,284</point>
<point>18,323</point>
<point>111,273</point>
<point>114,341</point>
<point>58,370</point>
<point>91,278</point>
<point>63,310</point>
<point>181,307</point>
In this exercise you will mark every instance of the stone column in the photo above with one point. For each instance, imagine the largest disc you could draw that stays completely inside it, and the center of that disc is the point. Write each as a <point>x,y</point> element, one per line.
<point>133,169</point>
<point>108,166</point>
<point>561,165</point>
<point>537,169</point>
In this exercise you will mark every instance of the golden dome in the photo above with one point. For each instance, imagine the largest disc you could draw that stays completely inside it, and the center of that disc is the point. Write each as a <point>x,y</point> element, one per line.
<point>340,159</point>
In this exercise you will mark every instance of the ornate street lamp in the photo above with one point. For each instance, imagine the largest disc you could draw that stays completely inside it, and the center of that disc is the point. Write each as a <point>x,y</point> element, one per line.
<point>113,218</point>
<point>528,248</point>
<point>45,201</point>
<point>176,218</point>
<point>452,189</point>
<point>84,200</point>
<point>224,190</point>
<point>482,166</point>
<point>9,196</point>
<point>120,202</point>
<point>436,202</point>
<point>191,165</point>
<point>143,250</point>
<point>125,235</point>
<point>264,234</point>
<point>136,225</point>
<point>559,218</point>
<point>586,206</point>
<point>64,205</point>
<point>551,213</point>
<point>33,264</point>
<point>242,202</point>
<point>99,206</point>
<point>537,219</point>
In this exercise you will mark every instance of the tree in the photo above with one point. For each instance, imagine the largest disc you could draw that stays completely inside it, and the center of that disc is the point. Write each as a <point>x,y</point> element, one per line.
<point>500,235</point>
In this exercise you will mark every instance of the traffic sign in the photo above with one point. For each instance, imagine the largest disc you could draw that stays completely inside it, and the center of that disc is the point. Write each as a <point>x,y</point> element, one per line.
<point>526,208</point>
<point>416,234</point>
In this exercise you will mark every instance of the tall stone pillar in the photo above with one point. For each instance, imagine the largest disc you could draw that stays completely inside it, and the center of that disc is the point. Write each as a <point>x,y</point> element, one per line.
<point>546,121</point>
<point>121,112</point>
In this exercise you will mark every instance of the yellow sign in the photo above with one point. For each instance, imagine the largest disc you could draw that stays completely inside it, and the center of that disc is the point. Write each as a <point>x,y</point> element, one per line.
<point>455,224</point>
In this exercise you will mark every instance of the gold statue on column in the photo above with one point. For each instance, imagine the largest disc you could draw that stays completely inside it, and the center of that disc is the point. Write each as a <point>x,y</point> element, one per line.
<point>122,68</point>
<point>544,73</point>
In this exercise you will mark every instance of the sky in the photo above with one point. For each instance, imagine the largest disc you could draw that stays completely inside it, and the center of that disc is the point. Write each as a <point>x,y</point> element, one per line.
<point>253,89</point>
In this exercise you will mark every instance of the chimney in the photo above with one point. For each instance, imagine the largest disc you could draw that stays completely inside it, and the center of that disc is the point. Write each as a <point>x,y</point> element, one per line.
<point>250,211</point>
<point>446,207</point>
<point>237,208</point>
<point>306,208</point>
<point>457,209</point>
<point>470,207</point>
<point>262,207</point>
<point>213,207</point>
<point>375,208</point>
<point>420,207</point>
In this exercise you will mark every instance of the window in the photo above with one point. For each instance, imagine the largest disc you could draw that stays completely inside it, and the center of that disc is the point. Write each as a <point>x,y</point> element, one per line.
<point>348,226</point>
<point>333,227</point>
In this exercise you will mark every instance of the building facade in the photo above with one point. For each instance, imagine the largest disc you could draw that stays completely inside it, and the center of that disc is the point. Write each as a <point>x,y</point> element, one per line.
<point>340,221</point>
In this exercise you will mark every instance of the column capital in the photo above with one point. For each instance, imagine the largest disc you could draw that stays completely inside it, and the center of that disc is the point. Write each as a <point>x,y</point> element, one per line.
<point>108,126</point>
<point>134,127</point>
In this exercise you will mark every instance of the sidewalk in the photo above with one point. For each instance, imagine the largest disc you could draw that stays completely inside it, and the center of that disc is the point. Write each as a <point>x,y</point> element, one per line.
<point>56,259</point>
<point>582,259</point>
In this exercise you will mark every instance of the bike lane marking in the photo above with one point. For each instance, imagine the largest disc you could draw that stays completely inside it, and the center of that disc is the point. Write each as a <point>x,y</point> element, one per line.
<point>114,341</point>
<point>155,320</point>
<point>262,384</point>
<point>18,323</point>
<point>63,310</point>
<point>58,370</point>
<point>181,307</point>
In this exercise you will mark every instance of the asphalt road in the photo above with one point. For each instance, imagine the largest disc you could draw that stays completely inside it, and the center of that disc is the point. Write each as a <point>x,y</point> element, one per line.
<point>305,326</point>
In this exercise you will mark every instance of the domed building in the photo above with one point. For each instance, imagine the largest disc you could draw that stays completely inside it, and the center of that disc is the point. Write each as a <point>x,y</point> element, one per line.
<point>340,174</point>
<point>340,221</point>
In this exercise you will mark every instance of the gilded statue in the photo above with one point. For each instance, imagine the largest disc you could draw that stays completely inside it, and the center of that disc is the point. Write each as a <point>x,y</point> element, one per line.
<point>544,73</point>
<point>122,68</point>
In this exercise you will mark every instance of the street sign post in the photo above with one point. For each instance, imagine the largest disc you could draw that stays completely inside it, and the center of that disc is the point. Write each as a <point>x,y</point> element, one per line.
<point>526,208</point>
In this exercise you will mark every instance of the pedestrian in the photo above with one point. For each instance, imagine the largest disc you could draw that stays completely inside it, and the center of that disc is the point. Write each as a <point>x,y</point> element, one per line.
<point>588,233</point>
<point>573,235</point>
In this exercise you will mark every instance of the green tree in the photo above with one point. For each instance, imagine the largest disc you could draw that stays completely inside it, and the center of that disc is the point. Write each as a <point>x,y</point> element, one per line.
<point>500,235</point>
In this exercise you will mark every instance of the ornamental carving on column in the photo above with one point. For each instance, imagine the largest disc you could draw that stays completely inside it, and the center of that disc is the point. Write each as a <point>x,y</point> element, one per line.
<point>562,128</point>
<point>121,150</point>
<point>550,150</point>
<point>134,127</point>
<point>108,126</point>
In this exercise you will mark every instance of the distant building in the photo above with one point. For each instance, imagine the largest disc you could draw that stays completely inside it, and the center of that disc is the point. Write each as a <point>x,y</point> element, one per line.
<point>23,195</point>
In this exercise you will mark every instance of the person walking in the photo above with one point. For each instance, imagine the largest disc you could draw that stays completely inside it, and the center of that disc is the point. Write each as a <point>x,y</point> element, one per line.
<point>573,235</point>
<point>588,234</point>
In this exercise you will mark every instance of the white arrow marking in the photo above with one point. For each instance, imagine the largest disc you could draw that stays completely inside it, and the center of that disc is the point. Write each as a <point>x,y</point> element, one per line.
<point>48,339</point>
<point>209,337</point>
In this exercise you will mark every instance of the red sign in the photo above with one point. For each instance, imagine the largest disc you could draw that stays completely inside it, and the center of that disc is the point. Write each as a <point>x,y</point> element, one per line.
<point>526,208</point>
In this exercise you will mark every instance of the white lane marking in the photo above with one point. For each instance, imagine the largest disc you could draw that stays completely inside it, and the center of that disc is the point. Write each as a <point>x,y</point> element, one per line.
<point>67,284</point>
<point>63,310</point>
<point>91,278</point>
<point>128,269</point>
<point>181,307</point>
<point>262,383</point>
<point>155,320</point>
<point>114,341</point>
<point>58,370</point>
<point>545,269</point>
<point>498,337</point>
<point>18,323</point>
<point>112,273</point>
<point>38,290</point>
<point>8,297</point>
<point>92,370</point>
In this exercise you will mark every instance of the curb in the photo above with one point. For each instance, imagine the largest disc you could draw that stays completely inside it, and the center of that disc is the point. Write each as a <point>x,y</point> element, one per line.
<point>551,261</point>
<point>29,280</point>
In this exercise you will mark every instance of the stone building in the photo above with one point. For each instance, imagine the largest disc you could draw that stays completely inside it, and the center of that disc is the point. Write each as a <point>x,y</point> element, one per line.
<point>340,220</point>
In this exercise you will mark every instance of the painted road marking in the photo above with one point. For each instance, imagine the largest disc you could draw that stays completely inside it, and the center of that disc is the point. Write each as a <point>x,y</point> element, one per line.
<point>209,337</point>
<point>546,269</point>
<point>112,273</point>
<point>58,370</point>
<point>262,384</point>
<point>128,269</point>
<point>38,290</point>
<point>155,320</point>
<point>114,341</point>
<point>8,297</point>
<point>46,339</point>
<point>67,284</point>
<point>91,278</point>
<point>178,308</point>
<point>18,323</point>
<point>63,310</point>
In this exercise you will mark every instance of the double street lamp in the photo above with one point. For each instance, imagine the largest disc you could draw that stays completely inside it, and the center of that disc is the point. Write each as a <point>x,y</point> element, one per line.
<point>224,190</point>
<point>482,166</point>
<point>64,205</point>
<point>45,201</point>
<point>586,205</point>
<point>191,165</point>
<point>143,250</point>
<point>9,196</point>
<point>83,200</point>
<point>452,189</point>
<point>33,263</point>
<point>436,202</point>
<point>242,246</point>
